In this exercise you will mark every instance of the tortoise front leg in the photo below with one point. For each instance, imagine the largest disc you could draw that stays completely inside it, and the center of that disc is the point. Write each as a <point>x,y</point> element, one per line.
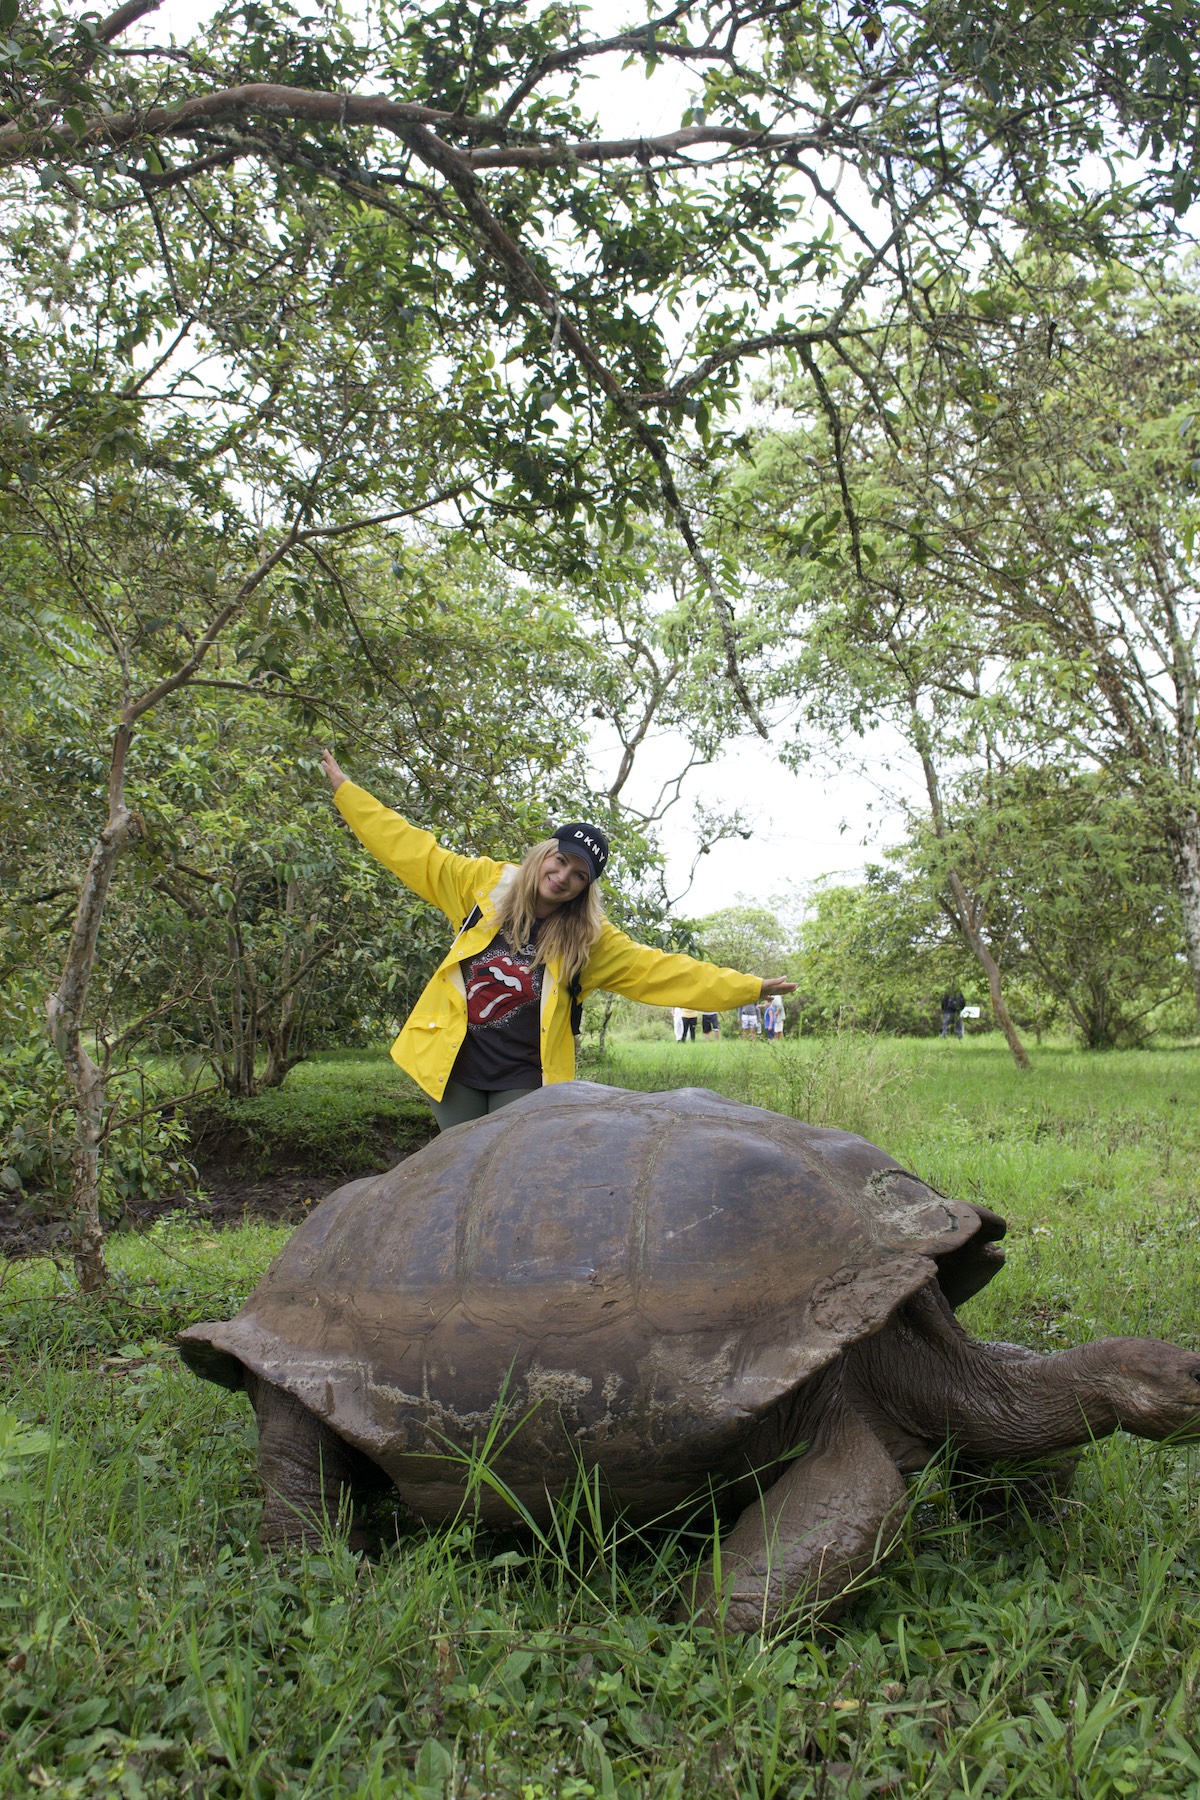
<point>832,1515</point>
<point>309,1476</point>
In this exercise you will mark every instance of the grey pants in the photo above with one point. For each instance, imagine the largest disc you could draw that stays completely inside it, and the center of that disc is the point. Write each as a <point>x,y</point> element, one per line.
<point>459,1103</point>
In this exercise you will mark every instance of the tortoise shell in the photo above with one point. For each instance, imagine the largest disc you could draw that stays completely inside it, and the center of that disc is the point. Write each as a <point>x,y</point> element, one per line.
<point>627,1280</point>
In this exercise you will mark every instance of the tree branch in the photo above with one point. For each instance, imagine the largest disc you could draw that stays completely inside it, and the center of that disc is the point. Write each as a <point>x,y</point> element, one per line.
<point>529,287</point>
<point>268,99</point>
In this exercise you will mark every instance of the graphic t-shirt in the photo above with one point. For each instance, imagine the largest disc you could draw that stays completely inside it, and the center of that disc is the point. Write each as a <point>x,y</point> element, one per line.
<point>502,1048</point>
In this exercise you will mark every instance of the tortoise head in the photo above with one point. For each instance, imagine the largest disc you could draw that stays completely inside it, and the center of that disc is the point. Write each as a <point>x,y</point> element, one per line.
<point>1152,1387</point>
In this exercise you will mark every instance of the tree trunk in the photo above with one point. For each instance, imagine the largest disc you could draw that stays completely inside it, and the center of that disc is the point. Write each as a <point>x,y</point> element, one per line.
<point>964,916</point>
<point>1184,839</point>
<point>243,1016</point>
<point>609,1003</point>
<point>229,1072</point>
<point>279,1045</point>
<point>64,1015</point>
<point>219,1049</point>
<point>963,912</point>
<point>279,1034</point>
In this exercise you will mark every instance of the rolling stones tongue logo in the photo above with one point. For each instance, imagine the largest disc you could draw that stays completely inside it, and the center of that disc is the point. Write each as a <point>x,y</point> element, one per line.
<point>498,986</point>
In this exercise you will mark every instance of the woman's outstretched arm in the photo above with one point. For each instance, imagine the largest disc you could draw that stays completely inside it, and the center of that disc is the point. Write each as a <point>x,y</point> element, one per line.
<point>447,881</point>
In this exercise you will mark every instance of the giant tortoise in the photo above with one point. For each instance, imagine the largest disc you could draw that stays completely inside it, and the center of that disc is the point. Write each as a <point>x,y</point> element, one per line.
<point>682,1293</point>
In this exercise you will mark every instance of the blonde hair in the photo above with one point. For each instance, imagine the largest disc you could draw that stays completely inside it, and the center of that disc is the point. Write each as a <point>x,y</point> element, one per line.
<point>569,935</point>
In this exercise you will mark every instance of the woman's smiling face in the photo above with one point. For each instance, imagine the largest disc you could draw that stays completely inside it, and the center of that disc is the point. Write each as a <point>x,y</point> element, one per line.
<point>561,879</point>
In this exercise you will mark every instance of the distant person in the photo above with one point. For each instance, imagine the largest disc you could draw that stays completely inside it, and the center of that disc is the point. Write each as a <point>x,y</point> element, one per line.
<point>773,1019</point>
<point>687,1024</point>
<point>498,1017</point>
<point>710,1025</point>
<point>748,1019</point>
<point>952,1009</point>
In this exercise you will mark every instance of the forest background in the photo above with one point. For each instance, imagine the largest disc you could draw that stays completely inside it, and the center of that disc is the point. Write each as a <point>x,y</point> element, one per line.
<point>362,383</point>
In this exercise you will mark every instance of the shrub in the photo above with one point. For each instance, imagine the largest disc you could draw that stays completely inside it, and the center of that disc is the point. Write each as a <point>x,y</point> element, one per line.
<point>142,1153</point>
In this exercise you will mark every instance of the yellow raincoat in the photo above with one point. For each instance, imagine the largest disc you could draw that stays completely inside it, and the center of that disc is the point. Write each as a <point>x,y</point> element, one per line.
<point>434,1031</point>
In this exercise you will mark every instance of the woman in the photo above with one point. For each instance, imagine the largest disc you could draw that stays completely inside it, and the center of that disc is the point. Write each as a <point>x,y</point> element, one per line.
<point>498,1017</point>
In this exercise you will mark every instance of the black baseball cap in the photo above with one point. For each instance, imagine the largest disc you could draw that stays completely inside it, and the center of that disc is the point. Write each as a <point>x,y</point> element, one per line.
<point>587,842</point>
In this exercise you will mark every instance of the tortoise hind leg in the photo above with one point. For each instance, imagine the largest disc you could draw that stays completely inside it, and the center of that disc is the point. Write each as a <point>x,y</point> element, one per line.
<point>829,1517</point>
<point>310,1477</point>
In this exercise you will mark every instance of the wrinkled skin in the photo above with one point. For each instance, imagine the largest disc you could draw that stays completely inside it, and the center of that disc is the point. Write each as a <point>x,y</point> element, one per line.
<point>898,1398</point>
<point>681,1293</point>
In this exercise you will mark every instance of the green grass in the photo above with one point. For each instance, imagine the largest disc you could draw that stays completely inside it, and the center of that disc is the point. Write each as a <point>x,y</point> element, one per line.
<point>151,1649</point>
<point>343,1112</point>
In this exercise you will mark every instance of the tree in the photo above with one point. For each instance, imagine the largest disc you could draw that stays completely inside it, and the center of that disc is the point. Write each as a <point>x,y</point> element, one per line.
<point>1076,876</point>
<point>263,305</point>
<point>1074,880</point>
<point>877,956</point>
<point>746,935</point>
<point>138,692</point>
<point>433,200</point>
<point>865,635</point>
<point>1105,604</point>
<point>1005,566</point>
<point>1029,549</point>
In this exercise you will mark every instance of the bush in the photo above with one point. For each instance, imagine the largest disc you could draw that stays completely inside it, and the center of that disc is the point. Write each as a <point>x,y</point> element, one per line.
<point>35,1121</point>
<point>142,1153</point>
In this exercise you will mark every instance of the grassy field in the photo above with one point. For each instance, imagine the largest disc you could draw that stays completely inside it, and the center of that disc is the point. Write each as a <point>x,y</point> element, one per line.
<point>151,1649</point>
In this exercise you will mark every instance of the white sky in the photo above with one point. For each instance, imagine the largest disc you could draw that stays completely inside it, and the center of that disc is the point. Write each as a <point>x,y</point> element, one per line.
<point>819,822</point>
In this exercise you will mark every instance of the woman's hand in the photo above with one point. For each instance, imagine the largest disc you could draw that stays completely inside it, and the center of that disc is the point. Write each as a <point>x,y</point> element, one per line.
<point>772,984</point>
<point>331,769</point>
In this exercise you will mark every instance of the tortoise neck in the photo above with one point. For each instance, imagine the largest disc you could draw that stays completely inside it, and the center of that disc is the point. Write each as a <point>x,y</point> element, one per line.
<point>923,1382</point>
